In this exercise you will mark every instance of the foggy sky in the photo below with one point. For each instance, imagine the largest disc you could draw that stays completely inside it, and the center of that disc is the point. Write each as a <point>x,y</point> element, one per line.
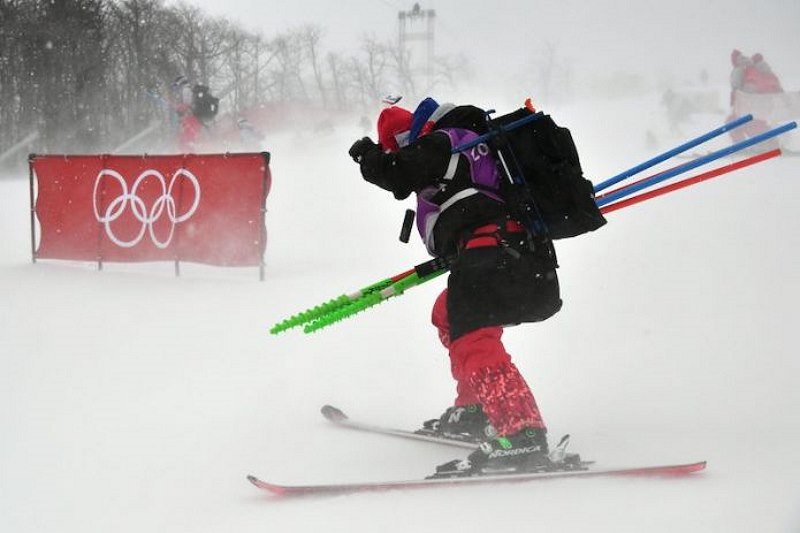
<point>652,37</point>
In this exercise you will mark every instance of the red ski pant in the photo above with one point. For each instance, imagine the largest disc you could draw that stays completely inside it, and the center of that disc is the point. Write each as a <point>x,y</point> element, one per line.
<point>485,375</point>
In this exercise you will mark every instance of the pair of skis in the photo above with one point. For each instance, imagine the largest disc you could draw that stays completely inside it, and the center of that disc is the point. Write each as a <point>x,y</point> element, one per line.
<point>339,418</point>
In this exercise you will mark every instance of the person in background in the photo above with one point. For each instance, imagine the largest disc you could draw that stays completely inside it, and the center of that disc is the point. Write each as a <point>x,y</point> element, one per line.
<point>189,129</point>
<point>739,64</point>
<point>751,75</point>
<point>759,77</point>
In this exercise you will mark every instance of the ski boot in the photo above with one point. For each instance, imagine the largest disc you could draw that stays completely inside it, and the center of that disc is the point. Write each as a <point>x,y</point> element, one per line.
<point>466,423</point>
<point>525,451</point>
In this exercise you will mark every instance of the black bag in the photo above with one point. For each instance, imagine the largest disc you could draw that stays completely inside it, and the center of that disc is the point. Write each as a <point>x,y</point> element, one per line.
<point>204,104</point>
<point>491,286</point>
<point>555,192</point>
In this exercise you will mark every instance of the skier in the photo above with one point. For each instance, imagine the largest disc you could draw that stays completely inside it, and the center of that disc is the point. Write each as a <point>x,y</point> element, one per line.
<point>500,275</point>
<point>740,63</point>
<point>760,78</point>
<point>188,129</point>
<point>751,75</point>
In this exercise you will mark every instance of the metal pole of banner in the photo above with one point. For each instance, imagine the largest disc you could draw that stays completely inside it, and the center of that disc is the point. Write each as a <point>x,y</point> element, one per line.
<point>266,183</point>
<point>177,242</point>
<point>99,223</point>
<point>33,207</point>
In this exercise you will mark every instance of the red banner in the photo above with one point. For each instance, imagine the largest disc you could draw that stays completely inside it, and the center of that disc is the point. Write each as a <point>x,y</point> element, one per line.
<point>199,208</point>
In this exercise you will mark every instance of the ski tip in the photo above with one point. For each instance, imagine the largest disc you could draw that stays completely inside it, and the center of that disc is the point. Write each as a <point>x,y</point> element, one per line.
<point>275,489</point>
<point>671,470</point>
<point>332,413</point>
<point>700,465</point>
<point>690,467</point>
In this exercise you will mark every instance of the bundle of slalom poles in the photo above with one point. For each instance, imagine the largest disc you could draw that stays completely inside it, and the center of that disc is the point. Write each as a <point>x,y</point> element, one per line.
<point>347,305</point>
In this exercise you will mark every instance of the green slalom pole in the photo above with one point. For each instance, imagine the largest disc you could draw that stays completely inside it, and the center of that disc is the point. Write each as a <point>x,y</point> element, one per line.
<point>330,306</point>
<point>357,300</point>
<point>369,300</point>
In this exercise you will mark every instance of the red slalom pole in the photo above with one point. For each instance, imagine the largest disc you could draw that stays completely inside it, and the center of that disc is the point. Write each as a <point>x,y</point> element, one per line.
<point>691,181</point>
<point>631,184</point>
<point>402,275</point>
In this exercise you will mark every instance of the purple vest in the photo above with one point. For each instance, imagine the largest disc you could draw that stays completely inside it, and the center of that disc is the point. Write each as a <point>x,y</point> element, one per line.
<point>483,171</point>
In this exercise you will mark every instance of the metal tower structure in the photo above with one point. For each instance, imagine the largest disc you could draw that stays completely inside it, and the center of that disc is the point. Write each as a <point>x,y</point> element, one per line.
<point>415,34</point>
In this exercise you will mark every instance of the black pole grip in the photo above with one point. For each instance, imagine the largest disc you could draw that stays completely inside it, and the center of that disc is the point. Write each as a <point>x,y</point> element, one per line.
<point>408,223</point>
<point>434,265</point>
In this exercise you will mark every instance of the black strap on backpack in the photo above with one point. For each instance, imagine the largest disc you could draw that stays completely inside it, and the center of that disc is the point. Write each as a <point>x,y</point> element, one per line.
<point>545,189</point>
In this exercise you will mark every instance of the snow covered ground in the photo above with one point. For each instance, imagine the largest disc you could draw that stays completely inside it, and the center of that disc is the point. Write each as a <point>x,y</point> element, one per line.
<point>132,401</point>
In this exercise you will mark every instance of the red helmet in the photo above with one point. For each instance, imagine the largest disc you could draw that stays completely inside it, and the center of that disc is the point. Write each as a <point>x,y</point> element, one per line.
<point>394,124</point>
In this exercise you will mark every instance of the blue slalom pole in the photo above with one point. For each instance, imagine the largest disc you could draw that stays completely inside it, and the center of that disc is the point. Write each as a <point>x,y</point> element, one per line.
<point>486,136</point>
<point>675,151</point>
<point>658,178</point>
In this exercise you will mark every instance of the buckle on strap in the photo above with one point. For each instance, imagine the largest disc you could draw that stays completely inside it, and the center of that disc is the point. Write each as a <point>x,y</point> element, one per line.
<point>491,234</point>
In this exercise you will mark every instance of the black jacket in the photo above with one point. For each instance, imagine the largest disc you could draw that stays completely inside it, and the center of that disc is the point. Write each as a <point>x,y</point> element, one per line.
<point>490,286</point>
<point>423,163</point>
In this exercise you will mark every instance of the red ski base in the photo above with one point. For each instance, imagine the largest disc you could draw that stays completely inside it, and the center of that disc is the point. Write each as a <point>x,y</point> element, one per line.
<point>343,488</point>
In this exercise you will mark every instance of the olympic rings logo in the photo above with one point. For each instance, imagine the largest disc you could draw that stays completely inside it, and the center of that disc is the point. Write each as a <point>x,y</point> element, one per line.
<point>165,203</point>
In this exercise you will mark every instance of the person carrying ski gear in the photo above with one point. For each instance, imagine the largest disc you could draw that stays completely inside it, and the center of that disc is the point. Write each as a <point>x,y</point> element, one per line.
<point>500,274</point>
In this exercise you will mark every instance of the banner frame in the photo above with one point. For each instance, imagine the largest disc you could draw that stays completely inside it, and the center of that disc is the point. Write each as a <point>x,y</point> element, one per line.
<point>266,183</point>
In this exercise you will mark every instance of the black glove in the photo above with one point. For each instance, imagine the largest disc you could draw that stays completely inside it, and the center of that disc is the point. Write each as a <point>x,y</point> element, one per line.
<point>361,147</point>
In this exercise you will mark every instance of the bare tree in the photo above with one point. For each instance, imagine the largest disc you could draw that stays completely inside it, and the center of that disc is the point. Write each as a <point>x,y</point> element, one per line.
<point>337,68</point>
<point>310,36</point>
<point>90,74</point>
<point>370,71</point>
<point>187,27</point>
<point>405,74</point>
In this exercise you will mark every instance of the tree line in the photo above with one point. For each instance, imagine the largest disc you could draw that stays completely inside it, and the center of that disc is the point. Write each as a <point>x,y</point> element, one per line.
<point>87,75</point>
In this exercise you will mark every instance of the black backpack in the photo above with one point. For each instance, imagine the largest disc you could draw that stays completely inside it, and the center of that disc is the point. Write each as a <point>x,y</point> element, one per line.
<point>548,185</point>
<point>204,104</point>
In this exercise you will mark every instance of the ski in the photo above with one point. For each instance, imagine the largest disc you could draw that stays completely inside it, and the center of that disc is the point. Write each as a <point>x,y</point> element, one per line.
<point>372,486</point>
<point>338,417</point>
